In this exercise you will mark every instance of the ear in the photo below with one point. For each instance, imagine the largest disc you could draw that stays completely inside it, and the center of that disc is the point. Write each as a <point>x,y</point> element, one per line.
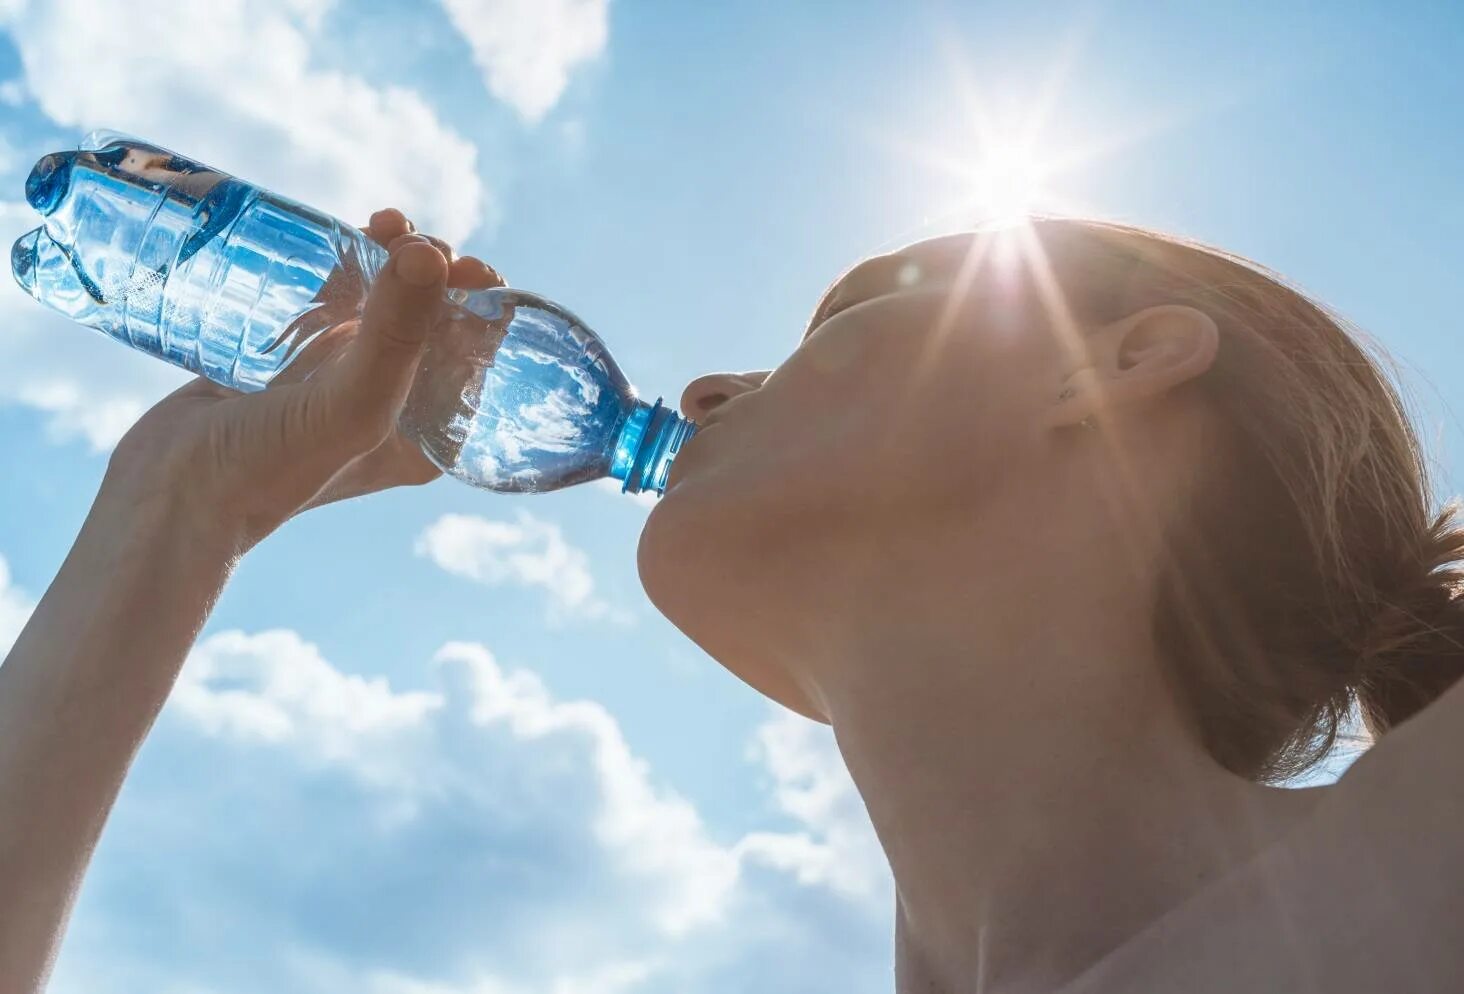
<point>1136,360</point>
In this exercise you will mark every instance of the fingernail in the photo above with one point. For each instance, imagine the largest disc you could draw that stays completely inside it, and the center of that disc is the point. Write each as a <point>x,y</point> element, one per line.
<point>416,267</point>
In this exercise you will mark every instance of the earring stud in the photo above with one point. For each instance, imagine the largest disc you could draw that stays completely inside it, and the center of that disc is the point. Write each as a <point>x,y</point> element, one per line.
<point>1068,393</point>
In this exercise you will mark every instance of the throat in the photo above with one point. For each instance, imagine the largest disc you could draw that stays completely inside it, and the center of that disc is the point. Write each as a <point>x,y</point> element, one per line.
<point>1022,859</point>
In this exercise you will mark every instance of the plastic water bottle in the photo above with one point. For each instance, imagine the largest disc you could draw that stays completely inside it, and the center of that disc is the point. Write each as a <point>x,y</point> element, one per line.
<point>235,283</point>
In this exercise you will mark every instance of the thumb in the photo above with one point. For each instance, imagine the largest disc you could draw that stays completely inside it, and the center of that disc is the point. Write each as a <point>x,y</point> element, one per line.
<point>373,378</point>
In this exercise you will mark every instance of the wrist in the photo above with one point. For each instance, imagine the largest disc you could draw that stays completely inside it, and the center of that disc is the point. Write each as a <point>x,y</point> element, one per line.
<point>164,510</point>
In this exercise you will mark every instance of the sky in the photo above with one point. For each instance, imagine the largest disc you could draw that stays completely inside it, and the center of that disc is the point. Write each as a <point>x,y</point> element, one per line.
<point>437,741</point>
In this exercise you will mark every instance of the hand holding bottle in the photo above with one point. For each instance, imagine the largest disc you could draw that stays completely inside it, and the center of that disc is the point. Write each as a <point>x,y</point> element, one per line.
<point>325,430</point>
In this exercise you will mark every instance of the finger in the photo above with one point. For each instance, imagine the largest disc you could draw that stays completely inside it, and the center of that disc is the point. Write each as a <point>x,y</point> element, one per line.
<point>437,243</point>
<point>443,247</point>
<point>404,238</point>
<point>370,384</point>
<point>472,273</point>
<point>386,225</point>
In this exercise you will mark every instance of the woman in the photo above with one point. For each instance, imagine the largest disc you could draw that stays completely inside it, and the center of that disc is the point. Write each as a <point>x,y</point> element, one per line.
<point>1080,537</point>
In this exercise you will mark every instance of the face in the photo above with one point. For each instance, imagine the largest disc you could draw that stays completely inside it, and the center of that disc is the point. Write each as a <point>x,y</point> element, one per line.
<point>911,404</point>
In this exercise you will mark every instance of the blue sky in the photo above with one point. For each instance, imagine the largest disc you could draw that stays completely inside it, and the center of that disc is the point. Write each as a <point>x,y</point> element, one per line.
<point>437,742</point>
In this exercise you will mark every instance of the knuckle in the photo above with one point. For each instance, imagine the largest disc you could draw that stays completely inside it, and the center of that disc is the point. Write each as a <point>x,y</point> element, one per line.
<point>366,425</point>
<point>402,240</point>
<point>396,339</point>
<point>351,418</point>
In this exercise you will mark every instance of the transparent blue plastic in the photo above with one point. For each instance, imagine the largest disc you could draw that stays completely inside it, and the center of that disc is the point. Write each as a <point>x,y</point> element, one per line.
<point>235,283</point>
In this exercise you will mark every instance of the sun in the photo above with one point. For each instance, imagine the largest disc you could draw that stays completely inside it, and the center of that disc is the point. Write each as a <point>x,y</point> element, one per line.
<point>991,176</point>
<point>994,151</point>
<point>1008,180</point>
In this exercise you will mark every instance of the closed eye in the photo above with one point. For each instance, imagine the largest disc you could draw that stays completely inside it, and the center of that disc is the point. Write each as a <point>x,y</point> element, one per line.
<point>839,307</point>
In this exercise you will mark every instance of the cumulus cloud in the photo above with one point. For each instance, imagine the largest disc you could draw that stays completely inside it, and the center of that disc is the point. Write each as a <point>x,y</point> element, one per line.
<point>78,413</point>
<point>527,49</point>
<point>527,552</point>
<point>484,837</point>
<point>88,391</point>
<point>275,687</point>
<point>232,83</point>
<point>611,978</point>
<point>15,608</point>
<point>837,847</point>
<point>235,83</point>
<point>658,835</point>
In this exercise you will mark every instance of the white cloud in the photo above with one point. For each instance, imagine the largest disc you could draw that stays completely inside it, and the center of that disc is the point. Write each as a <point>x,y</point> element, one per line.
<point>526,49</point>
<point>838,847</point>
<point>99,420</point>
<point>234,83</point>
<point>611,978</point>
<point>658,835</point>
<point>484,837</point>
<point>275,687</point>
<point>231,83</point>
<point>15,609</point>
<point>89,390</point>
<point>529,552</point>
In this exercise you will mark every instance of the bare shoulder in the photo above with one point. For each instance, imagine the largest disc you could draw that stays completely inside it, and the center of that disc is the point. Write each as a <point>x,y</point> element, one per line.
<point>1366,896</point>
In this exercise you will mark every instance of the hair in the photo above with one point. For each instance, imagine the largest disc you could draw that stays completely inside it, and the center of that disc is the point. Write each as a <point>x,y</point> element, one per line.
<point>1308,575</point>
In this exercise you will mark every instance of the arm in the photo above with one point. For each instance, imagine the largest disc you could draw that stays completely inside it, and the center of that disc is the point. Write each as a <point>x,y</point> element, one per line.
<point>78,693</point>
<point>200,479</point>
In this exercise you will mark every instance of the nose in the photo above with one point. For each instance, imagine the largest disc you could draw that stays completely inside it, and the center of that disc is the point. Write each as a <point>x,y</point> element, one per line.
<point>705,394</point>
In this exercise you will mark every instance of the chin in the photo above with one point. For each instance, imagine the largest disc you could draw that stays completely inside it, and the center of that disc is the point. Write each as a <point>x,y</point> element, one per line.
<point>704,562</point>
<point>676,556</point>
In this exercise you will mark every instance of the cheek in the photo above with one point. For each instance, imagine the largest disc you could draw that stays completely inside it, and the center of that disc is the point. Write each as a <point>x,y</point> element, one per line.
<point>901,414</point>
<point>845,432</point>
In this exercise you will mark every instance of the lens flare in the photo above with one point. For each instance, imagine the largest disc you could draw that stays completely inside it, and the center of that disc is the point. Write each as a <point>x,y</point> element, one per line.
<point>1007,181</point>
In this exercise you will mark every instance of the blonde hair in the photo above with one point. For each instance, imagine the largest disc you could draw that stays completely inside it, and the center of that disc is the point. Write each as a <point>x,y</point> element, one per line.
<point>1310,576</point>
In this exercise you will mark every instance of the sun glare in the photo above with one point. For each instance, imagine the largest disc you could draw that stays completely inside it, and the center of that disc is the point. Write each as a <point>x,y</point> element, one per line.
<point>991,152</point>
<point>1007,180</point>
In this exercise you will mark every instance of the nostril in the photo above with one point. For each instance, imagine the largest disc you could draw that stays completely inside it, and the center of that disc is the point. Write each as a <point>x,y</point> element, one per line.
<point>708,401</point>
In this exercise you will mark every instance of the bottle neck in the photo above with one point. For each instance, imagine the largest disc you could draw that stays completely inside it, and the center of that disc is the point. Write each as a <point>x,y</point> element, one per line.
<point>647,446</point>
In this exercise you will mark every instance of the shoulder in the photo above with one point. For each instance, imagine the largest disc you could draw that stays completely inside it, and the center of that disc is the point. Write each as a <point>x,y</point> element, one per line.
<point>1366,895</point>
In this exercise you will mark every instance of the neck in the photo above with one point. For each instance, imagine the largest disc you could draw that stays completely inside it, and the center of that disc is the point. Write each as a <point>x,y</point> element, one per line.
<point>1028,776</point>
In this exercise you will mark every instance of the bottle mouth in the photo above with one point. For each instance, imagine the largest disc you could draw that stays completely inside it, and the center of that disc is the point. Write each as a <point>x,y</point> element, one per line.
<point>647,447</point>
<point>48,181</point>
<point>677,434</point>
<point>25,259</point>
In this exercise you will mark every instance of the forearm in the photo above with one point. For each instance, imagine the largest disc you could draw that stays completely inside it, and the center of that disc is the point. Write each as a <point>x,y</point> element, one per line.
<point>78,693</point>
